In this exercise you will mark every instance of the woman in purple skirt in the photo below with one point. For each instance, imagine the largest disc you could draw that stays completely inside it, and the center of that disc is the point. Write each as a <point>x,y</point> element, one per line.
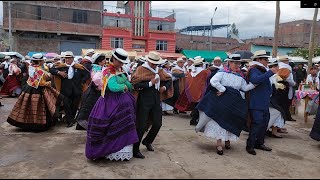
<point>111,129</point>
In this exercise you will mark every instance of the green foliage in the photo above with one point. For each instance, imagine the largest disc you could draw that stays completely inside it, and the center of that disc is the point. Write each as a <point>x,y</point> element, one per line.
<point>234,30</point>
<point>304,52</point>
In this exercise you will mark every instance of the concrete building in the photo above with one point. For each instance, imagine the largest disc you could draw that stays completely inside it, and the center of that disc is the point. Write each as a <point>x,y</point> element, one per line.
<point>250,46</point>
<point>54,26</point>
<point>195,42</point>
<point>134,26</point>
<point>297,33</point>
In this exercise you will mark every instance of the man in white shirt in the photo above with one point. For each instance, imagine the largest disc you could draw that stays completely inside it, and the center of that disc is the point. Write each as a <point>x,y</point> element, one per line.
<point>312,78</point>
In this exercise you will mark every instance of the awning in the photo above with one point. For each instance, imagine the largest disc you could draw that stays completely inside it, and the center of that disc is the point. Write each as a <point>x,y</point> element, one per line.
<point>207,55</point>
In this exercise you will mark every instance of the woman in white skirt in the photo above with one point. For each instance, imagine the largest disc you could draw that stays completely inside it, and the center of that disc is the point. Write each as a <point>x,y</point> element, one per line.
<point>166,107</point>
<point>279,95</point>
<point>223,111</point>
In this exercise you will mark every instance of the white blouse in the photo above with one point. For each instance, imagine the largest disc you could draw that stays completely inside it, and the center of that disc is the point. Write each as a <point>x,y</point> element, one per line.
<point>222,79</point>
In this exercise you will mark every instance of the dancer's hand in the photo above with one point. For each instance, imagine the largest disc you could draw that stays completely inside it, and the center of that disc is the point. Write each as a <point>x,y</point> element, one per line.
<point>125,88</point>
<point>219,93</point>
<point>63,74</point>
<point>162,89</point>
<point>154,81</point>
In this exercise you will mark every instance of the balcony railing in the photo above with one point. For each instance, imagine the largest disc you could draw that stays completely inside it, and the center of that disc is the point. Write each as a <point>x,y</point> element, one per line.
<point>162,14</point>
<point>115,9</point>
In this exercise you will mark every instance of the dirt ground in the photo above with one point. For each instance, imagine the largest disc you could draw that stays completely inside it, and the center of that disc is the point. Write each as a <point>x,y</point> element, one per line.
<point>179,153</point>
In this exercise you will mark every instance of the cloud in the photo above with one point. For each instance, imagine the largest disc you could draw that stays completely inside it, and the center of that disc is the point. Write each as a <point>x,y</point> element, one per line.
<point>252,18</point>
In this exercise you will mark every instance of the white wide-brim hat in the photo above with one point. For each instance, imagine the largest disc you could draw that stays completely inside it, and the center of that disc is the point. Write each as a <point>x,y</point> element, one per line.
<point>198,61</point>
<point>142,59</point>
<point>37,57</point>
<point>191,59</point>
<point>217,58</point>
<point>197,58</point>
<point>96,56</point>
<point>260,54</point>
<point>121,55</point>
<point>90,51</point>
<point>67,54</point>
<point>273,63</point>
<point>283,58</point>
<point>180,59</point>
<point>154,57</point>
<point>234,57</point>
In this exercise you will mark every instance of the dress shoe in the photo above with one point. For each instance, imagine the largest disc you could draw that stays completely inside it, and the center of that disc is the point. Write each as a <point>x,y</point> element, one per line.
<point>291,119</point>
<point>227,145</point>
<point>193,123</point>
<point>149,146</point>
<point>78,127</point>
<point>220,152</point>
<point>69,125</point>
<point>182,112</point>
<point>138,155</point>
<point>175,112</point>
<point>263,147</point>
<point>165,113</point>
<point>251,150</point>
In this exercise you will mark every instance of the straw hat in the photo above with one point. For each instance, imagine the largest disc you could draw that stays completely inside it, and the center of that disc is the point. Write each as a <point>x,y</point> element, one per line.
<point>121,55</point>
<point>37,57</point>
<point>283,58</point>
<point>67,54</point>
<point>154,57</point>
<point>90,51</point>
<point>260,54</point>
<point>234,57</point>
<point>96,56</point>
<point>198,57</point>
<point>191,59</point>
<point>217,58</point>
<point>198,60</point>
<point>180,59</point>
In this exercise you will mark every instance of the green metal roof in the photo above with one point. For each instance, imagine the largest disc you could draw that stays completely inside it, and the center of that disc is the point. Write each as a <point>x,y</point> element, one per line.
<point>207,55</point>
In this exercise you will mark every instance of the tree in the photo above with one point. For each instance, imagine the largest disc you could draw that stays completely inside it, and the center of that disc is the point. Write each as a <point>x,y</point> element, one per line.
<point>276,29</point>
<point>234,30</point>
<point>304,52</point>
<point>311,43</point>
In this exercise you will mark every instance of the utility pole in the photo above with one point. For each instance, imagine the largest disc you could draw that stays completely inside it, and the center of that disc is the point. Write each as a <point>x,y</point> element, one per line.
<point>311,42</point>
<point>211,28</point>
<point>276,30</point>
<point>10,28</point>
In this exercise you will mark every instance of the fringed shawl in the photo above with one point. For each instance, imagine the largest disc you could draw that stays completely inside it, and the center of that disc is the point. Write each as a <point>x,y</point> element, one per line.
<point>144,74</point>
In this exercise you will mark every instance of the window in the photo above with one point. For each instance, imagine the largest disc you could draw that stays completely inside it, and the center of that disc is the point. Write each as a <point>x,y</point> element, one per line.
<point>138,46</point>
<point>80,16</point>
<point>116,42</point>
<point>268,53</point>
<point>159,28</point>
<point>39,12</point>
<point>161,45</point>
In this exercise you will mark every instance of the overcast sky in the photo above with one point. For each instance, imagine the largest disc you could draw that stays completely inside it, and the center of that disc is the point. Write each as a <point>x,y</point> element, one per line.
<point>252,18</point>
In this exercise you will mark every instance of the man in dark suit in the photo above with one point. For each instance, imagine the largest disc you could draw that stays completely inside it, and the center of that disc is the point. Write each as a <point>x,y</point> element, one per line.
<point>151,82</point>
<point>259,99</point>
<point>72,77</point>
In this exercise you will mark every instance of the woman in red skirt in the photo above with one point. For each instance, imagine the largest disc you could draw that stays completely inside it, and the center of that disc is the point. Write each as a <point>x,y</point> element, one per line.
<point>12,84</point>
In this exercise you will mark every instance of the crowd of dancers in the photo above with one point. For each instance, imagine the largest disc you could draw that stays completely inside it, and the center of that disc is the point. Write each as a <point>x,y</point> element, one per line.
<point>116,100</point>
